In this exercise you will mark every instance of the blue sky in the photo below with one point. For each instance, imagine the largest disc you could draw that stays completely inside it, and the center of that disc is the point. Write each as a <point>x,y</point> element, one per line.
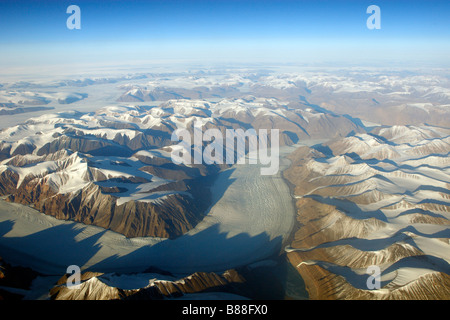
<point>224,30</point>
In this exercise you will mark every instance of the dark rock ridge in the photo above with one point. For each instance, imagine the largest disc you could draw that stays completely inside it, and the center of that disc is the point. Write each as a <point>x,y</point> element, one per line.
<point>94,286</point>
<point>243,283</point>
<point>17,278</point>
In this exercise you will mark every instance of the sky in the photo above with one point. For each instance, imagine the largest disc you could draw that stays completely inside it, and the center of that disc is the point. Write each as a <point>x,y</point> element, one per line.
<point>34,32</point>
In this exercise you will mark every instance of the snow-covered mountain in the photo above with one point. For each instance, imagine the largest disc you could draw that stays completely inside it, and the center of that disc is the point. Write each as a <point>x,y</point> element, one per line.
<point>153,286</point>
<point>379,199</point>
<point>112,168</point>
<point>375,194</point>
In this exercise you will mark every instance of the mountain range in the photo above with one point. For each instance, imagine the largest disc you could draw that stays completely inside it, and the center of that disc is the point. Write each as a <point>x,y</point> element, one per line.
<point>374,199</point>
<point>368,170</point>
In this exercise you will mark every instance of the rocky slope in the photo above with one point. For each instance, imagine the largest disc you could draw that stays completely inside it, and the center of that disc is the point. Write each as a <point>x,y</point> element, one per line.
<point>154,284</point>
<point>382,97</point>
<point>374,200</point>
<point>99,286</point>
<point>113,168</point>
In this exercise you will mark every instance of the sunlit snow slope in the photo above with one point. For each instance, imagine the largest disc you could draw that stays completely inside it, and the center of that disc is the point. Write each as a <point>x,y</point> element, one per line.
<point>380,199</point>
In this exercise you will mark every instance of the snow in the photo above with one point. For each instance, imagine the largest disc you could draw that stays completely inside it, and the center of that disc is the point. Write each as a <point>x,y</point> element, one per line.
<point>403,276</point>
<point>158,153</point>
<point>134,281</point>
<point>392,188</point>
<point>62,179</point>
<point>422,106</point>
<point>69,180</point>
<point>108,133</point>
<point>38,169</point>
<point>240,228</point>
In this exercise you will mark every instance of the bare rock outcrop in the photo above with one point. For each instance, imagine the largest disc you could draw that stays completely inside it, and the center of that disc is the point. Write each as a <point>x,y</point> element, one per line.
<point>99,286</point>
<point>359,207</point>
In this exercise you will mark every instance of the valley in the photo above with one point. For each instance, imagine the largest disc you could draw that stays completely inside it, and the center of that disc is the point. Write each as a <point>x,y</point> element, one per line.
<point>89,179</point>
